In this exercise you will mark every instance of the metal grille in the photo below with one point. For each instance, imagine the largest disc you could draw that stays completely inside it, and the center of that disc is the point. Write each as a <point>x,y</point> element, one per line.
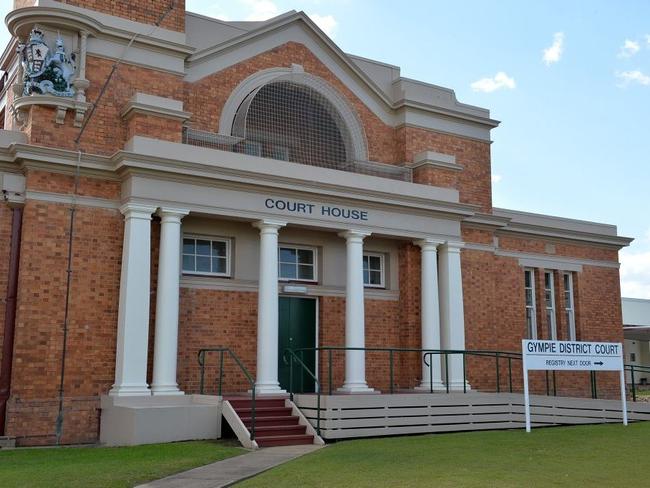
<point>285,120</point>
<point>288,121</point>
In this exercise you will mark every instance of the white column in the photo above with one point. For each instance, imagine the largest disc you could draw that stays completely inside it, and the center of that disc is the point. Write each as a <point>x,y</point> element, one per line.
<point>165,350</point>
<point>133,312</point>
<point>430,314</point>
<point>355,361</point>
<point>267,309</point>
<point>452,315</point>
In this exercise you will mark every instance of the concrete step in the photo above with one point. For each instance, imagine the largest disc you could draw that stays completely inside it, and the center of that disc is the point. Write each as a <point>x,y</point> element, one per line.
<point>284,440</point>
<point>270,421</point>
<point>264,412</point>
<point>279,430</point>
<point>239,403</point>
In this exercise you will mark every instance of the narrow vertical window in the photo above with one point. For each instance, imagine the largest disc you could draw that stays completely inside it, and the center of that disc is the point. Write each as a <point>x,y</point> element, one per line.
<point>529,287</point>
<point>549,300</point>
<point>569,307</point>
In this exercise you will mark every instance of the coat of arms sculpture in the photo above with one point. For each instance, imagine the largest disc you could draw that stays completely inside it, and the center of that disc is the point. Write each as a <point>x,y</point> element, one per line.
<point>44,71</point>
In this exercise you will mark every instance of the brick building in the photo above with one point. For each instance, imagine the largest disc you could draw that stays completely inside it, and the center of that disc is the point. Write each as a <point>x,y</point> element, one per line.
<point>251,186</point>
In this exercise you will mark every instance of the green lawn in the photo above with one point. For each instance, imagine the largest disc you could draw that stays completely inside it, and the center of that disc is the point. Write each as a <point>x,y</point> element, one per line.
<point>104,467</point>
<point>589,456</point>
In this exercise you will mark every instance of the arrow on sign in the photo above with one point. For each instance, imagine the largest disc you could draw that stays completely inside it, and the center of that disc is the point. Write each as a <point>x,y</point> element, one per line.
<point>599,363</point>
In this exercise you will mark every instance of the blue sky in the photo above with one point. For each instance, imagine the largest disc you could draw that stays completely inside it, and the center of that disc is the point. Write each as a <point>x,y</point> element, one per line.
<point>570,82</point>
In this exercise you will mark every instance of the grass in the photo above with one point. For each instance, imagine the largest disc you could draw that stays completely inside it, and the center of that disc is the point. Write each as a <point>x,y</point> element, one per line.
<point>106,467</point>
<point>600,455</point>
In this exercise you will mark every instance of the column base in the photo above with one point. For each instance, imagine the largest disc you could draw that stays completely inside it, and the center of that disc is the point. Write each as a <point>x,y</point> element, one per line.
<point>427,386</point>
<point>130,390</point>
<point>355,388</point>
<point>272,389</point>
<point>458,386</point>
<point>166,390</point>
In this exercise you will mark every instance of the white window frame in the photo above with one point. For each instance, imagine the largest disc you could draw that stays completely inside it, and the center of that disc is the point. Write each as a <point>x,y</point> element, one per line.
<point>382,269</point>
<point>570,312</point>
<point>212,239</point>
<point>553,319</point>
<point>533,305</point>
<point>304,248</point>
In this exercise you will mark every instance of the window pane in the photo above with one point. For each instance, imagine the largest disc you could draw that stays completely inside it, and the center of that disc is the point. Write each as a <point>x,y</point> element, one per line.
<point>202,247</point>
<point>567,285</point>
<point>375,277</point>
<point>305,272</point>
<point>219,265</point>
<point>529,297</point>
<point>288,271</point>
<point>528,276</point>
<point>287,255</point>
<point>305,256</point>
<point>203,264</point>
<point>548,280</point>
<point>188,246</point>
<point>219,248</point>
<point>188,263</point>
<point>375,262</point>
<point>365,262</point>
<point>366,277</point>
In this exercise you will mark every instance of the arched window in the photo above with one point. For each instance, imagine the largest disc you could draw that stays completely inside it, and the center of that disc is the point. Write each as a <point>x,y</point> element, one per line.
<point>293,122</point>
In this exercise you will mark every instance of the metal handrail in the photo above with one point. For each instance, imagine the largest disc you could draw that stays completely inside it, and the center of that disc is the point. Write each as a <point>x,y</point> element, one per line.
<point>497,355</point>
<point>635,367</point>
<point>249,377</point>
<point>294,358</point>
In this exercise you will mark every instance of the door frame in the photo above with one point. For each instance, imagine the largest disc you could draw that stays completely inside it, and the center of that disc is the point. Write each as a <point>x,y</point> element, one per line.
<point>316,323</point>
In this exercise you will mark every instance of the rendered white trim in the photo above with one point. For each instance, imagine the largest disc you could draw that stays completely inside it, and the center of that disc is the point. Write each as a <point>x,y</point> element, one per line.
<point>68,199</point>
<point>153,105</point>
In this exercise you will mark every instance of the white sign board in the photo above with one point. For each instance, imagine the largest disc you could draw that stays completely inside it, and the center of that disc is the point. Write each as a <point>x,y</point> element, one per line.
<point>572,356</point>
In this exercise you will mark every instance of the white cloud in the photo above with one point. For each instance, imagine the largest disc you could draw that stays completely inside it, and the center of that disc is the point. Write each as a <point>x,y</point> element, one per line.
<point>553,53</point>
<point>635,274</point>
<point>327,23</point>
<point>496,178</point>
<point>260,9</point>
<point>488,85</point>
<point>635,76</point>
<point>629,49</point>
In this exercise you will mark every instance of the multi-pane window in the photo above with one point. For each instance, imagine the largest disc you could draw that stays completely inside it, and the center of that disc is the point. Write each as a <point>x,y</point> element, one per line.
<point>297,263</point>
<point>569,307</point>
<point>549,301</point>
<point>529,287</point>
<point>206,256</point>
<point>373,270</point>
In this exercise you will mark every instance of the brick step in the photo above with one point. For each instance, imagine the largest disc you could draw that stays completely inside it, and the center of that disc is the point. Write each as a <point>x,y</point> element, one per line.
<point>239,403</point>
<point>270,421</point>
<point>284,440</point>
<point>265,411</point>
<point>279,430</point>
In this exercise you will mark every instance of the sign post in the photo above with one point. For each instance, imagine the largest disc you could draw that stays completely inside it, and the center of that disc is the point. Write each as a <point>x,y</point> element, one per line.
<point>572,356</point>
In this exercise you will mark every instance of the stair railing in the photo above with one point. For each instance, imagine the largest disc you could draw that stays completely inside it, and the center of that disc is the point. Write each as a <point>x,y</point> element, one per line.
<point>223,351</point>
<point>289,356</point>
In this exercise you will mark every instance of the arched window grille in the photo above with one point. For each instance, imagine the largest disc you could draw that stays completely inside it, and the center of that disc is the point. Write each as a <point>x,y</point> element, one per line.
<point>293,122</point>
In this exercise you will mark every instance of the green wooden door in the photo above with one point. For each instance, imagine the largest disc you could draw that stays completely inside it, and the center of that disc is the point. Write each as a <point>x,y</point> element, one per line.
<point>297,330</point>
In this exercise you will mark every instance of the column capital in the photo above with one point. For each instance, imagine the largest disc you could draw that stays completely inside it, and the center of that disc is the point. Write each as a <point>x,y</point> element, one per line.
<point>172,214</point>
<point>353,234</point>
<point>429,244</point>
<point>269,225</point>
<point>453,246</point>
<point>137,210</point>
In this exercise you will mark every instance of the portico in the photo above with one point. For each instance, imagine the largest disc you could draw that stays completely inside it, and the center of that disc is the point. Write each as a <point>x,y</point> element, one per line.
<point>343,258</point>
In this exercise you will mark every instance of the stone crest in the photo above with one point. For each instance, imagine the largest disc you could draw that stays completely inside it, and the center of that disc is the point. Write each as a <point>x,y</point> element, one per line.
<point>44,71</point>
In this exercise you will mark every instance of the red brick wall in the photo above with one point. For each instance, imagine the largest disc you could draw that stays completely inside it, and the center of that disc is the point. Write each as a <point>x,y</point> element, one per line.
<point>90,361</point>
<point>145,11</point>
<point>5,241</point>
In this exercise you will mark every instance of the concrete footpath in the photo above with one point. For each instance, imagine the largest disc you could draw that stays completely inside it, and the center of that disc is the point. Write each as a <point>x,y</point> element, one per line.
<point>232,470</point>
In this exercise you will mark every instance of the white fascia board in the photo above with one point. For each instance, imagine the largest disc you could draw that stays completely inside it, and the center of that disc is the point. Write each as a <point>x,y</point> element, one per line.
<point>560,227</point>
<point>636,311</point>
